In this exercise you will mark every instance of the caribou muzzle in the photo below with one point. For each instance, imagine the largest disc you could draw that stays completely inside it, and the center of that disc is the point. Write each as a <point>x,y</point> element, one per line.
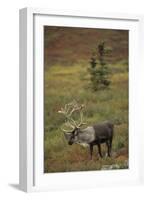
<point>70,143</point>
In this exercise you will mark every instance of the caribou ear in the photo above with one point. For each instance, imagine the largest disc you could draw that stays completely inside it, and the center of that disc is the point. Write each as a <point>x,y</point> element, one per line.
<point>67,135</point>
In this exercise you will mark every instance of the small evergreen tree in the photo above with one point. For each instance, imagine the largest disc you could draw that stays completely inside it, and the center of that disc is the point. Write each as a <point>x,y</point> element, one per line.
<point>99,74</point>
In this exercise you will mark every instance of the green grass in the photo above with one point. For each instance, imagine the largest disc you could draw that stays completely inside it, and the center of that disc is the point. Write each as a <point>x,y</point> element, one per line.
<point>62,85</point>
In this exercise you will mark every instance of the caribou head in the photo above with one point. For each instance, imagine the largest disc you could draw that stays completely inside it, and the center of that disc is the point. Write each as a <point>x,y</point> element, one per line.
<point>72,126</point>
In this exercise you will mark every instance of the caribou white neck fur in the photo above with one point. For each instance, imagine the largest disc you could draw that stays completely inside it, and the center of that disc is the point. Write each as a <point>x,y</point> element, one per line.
<point>86,135</point>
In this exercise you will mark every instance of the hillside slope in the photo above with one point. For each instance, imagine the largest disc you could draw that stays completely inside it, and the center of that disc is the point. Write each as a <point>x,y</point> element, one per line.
<point>67,46</point>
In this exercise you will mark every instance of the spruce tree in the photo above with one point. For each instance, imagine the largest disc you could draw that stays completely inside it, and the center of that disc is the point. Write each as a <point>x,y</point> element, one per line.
<point>100,74</point>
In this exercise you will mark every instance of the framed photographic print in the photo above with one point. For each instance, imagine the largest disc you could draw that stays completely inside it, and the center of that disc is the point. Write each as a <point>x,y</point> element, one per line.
<point>80,118</point>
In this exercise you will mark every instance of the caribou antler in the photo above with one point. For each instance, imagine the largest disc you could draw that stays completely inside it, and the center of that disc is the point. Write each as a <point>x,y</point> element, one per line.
<point>81,119</point>
<point>68,110</point>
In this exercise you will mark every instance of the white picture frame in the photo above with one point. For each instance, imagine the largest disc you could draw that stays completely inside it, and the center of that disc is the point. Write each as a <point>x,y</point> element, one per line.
<point>31,176</point>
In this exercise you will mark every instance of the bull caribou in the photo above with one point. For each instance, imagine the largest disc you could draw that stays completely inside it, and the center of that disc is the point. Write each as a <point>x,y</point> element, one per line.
<point>91,135</point>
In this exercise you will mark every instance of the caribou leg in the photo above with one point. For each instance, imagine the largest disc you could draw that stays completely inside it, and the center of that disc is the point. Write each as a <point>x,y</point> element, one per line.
<point>99,150</point>
<point>91,151</point>
<point>108,143</point>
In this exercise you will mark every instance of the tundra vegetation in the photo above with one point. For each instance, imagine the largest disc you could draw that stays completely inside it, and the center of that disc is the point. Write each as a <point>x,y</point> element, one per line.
<point>66,77</point>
